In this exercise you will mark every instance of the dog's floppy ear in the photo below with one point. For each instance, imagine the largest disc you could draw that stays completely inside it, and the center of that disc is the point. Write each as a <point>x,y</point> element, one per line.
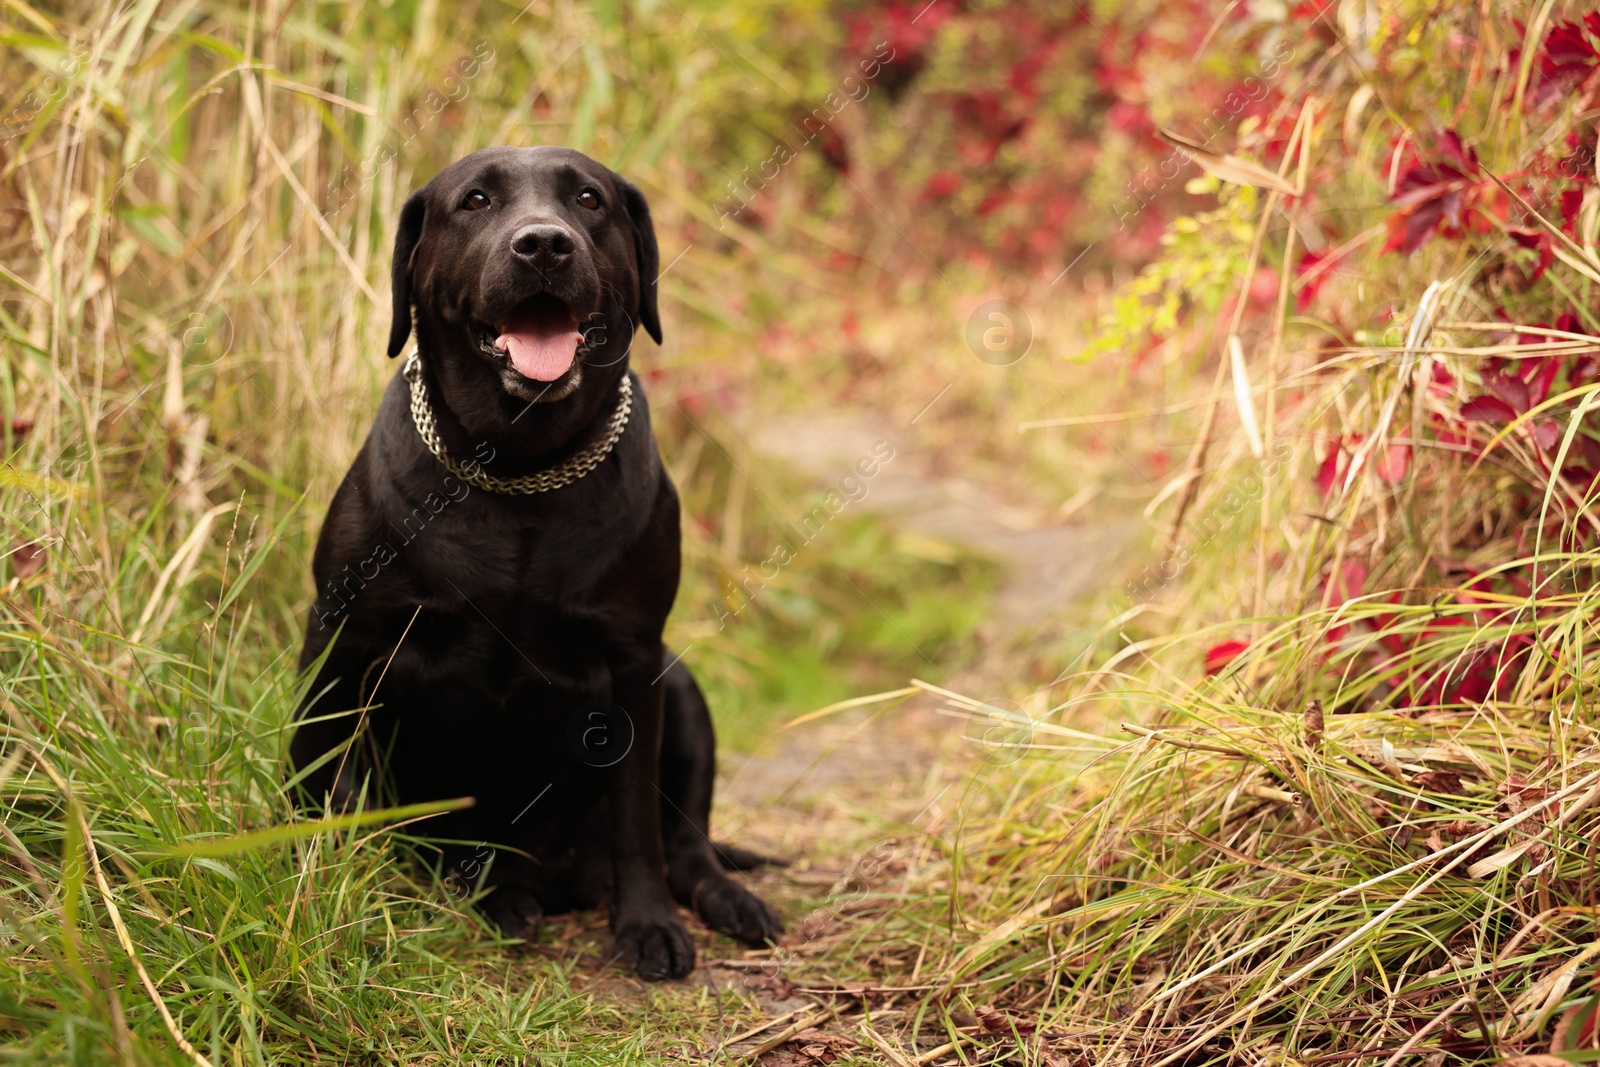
<point>405,247</point>
<point>649,257</point>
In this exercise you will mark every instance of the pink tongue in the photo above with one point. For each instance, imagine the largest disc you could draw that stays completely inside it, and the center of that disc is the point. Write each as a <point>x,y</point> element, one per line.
<point>541,341</point>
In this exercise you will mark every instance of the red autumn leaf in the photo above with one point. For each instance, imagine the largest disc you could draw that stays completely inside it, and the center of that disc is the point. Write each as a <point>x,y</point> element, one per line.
<point>1590,449</point>
<point>1345,584</point>
<point>1487,409</point>
<point>1127,117</point>
<point>1575,1032</point>
<point>1394,463</point>
<point>1328,472</point>
<point>1409,230</point>
<point>1565,61</point>
<point>1441,380</point>
<point>1494,208</point>
<point>1514,391</point>
<point>1434,196</point>
<point>1534,239</point>
<point>994,200</point>
<point>1336,465</point>
<point>1219,656</point>
<point>1426,181</point>
<point>1583,370</point>
<point>1541,380</point>
<point>1571,200</point>
<point>1579,1029</point>
<point>1312,272</point>
<point>1313,10</point>
<point>1546,432</point>
<point>27,558</point>
<point>1395,643</point>
<point>1461,157</point>
<point>942,184</point>
<point>1264,287</point>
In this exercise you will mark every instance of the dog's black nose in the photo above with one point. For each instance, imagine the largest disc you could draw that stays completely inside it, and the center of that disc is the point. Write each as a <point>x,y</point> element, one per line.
<point>543,244</point>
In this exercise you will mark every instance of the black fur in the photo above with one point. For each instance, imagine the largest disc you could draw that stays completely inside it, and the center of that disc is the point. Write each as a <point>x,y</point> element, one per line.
<point>517,637</point>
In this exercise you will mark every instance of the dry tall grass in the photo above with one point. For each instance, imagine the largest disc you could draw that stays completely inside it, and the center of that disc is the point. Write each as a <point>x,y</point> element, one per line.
<point>1351,817</point>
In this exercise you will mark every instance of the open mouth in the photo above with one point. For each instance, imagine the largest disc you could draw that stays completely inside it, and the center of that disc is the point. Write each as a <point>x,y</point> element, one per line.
<point>540,337</point>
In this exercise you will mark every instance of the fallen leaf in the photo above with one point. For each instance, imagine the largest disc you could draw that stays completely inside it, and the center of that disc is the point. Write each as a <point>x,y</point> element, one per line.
<point>1576,1030</point>
<point>823,1037</point>
<point>1314,723</point>
<point>996,1022</point>
<point>819,1046</point>
<point>1439,782</point>
<point>1517,795</point>
<point>817,924</point>
<point>27,558</point>
<point>776,986</point>
<point>1518,786</point>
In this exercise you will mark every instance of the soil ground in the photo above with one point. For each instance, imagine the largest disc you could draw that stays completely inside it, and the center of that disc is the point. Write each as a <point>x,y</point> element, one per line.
<point>825,792</point>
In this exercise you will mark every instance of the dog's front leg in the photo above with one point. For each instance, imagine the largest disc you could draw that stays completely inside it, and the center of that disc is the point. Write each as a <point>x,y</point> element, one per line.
<point>332,705</point>
<point>644,918</point>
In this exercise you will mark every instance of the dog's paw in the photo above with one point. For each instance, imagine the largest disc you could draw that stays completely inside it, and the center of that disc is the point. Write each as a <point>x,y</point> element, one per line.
<point>726,906</point>
<point>515,911</point>
<point>658,948</point>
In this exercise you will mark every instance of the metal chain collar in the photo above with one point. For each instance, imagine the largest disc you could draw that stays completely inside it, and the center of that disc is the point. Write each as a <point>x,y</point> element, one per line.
<point>564,473</point>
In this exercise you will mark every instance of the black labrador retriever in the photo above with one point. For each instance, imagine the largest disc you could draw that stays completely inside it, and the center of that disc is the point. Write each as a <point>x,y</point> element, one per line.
<point>496,568</point>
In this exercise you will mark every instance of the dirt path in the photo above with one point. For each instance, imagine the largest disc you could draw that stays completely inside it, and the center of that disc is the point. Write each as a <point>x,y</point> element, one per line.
<point>826,792</point>
<point>1049,566</point>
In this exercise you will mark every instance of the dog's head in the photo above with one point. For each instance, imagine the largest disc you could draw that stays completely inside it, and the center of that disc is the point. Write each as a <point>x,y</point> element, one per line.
<point>534,261</point>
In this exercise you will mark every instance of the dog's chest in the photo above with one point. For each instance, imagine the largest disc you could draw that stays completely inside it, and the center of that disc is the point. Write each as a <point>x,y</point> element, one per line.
<point>513,553</point>
<point>520,564</point>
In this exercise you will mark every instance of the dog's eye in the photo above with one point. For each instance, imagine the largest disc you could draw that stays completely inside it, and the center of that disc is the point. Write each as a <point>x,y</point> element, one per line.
<point>589,199</point>
<point>475,201</point>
